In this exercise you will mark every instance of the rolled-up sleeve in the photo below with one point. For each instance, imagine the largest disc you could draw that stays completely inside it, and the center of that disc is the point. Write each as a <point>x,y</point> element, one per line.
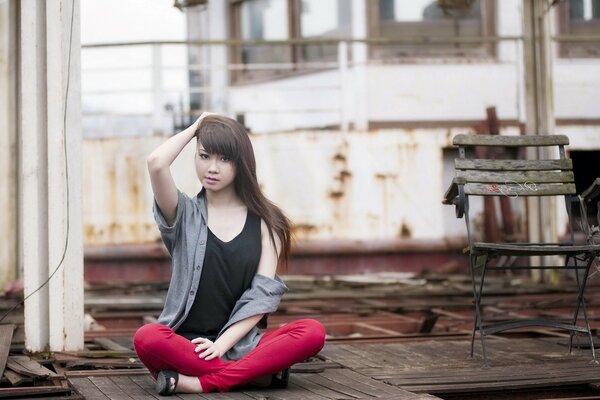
<point>262,297</point>
<point>168,232</point>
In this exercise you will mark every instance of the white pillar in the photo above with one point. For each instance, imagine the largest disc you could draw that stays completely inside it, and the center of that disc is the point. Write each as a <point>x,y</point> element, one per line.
<point>8,143</point>
<point>218,74</point>
<point>33,219</point>
<point>50,217</point>
<point>359,64</point>
<point>539,107</point>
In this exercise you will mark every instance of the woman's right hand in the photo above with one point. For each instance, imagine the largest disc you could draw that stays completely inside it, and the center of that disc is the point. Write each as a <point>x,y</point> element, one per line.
<point>201,117</point>
<point>207,348</point>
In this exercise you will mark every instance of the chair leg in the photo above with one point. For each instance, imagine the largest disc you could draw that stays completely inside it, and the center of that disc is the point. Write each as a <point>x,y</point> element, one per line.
<point>477,293</point>
<point>581,304</point>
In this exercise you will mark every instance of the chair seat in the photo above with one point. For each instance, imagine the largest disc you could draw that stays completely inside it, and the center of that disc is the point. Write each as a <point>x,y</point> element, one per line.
<point>527,249</point>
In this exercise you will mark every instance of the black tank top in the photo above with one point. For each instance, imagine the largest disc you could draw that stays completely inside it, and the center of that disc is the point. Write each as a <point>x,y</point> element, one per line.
<point>228,270</point>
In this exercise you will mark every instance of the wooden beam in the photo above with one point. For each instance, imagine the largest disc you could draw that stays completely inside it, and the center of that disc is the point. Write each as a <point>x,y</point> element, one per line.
<point>6,334</point>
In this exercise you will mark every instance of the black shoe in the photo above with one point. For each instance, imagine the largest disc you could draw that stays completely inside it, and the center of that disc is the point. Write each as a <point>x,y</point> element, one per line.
<point>163,382</point>
<point>280,380</point>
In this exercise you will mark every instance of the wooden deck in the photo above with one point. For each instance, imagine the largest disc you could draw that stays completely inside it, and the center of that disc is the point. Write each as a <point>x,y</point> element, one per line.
<point>421,370</point>
<point>329,384</point>
<point>385,341</point>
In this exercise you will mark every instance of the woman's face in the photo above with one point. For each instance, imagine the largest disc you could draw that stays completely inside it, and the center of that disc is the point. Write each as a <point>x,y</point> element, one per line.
<point>216,172</point>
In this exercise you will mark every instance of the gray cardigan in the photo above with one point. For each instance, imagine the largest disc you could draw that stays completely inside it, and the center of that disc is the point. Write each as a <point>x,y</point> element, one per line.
<point>185,240</point>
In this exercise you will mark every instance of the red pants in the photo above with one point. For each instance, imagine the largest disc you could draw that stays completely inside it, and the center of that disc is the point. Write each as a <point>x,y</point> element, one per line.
<point>159,348</point>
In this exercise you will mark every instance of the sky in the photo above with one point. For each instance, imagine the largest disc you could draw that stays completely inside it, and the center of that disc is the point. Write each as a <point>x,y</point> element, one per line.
<point>117,82</point>
<point>130,20</point>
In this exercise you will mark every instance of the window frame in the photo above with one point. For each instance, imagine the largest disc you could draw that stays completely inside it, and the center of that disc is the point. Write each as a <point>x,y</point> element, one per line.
<point>567,28</point>
<point>295,50</point>
<point>295,57</point>
<point>484,50</point>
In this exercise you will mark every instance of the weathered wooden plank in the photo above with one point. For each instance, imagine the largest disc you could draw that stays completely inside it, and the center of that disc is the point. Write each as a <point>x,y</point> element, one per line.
<point>510,141</point>
<point>514,190</point>
<point>128,386</point>
<point>125,341</point>
<point>369,386</point>
<point>109,388</point>
<point>316,390</point>
<point>105,372</point>
<point>6,334</point>
<point>493,374</point>
<point>110,344</point>
<point>313,367</point>
<point>101,354</point>
<point>341,388</point>
<point>61,372</point>
<point>146,383</point>
<point>499,385</point>
<point>189,396</point>
<point>104,363</point>
<point>516,177</point>
<point>87,389</point>
<point>515,249</point>
<point>514,165</point>
<point>234,395</point>
<point>28,367</point>
<point>294,391</point>
<point>16,379</point>
<point>13,393</point>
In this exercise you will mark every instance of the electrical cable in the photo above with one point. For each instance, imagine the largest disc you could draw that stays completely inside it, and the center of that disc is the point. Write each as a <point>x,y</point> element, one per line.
<point>22,302</point>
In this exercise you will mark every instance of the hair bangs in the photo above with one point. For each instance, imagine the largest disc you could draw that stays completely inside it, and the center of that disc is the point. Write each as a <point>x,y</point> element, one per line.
<point>217,138</point>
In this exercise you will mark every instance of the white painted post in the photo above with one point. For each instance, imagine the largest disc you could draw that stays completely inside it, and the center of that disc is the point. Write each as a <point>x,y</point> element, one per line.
<point>359,64</point>
<point>33,188</point>
<point>8,143</point>
<point>158,103</point>
<point>64,197</point>
<point>343,82</point>
<point>50,206</point>
<point>539,106</point>
<point>218,74</point>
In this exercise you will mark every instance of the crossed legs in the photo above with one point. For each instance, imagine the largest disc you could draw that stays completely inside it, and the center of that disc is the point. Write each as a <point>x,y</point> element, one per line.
<point>159,348</point>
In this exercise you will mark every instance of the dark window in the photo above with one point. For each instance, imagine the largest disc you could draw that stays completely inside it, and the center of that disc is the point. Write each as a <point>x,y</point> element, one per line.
<point>401,19</point>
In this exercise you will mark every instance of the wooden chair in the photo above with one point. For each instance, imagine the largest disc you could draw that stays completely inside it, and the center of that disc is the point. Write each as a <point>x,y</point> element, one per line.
<point>517,178</point>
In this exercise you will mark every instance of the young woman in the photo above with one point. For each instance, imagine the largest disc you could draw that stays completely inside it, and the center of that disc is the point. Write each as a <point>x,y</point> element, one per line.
<point>225,244</point>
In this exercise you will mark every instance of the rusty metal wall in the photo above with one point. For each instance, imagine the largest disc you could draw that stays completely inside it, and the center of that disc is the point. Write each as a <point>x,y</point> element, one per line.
<point>376,185</point>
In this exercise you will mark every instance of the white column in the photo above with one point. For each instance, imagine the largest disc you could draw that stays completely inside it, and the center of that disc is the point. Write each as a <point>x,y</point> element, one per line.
<point>218,74</point>
<point>33,217</point>
<point>359,64</point>
<point>50,217</point>
<point>539,106</point>
<point>65,214</point>
<point>8,143</point>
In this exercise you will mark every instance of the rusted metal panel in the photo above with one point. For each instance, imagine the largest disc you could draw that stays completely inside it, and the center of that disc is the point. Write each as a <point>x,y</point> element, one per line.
<point>360,186</point>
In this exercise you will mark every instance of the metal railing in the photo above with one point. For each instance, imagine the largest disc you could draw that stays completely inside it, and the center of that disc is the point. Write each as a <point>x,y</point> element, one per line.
<point>160,107</point>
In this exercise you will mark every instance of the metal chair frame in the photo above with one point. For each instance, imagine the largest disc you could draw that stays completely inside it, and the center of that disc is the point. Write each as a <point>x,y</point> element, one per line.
<point>472,180</point>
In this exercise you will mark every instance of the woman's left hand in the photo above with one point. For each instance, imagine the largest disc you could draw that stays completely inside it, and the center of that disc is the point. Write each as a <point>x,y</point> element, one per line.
<point>207,349</point>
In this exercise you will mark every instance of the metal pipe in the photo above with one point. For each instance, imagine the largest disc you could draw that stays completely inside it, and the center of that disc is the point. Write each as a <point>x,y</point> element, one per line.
<point>300,248</point>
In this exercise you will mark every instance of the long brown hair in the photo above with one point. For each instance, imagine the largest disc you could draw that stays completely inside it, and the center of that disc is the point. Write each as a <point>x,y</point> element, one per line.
<point>227,137</point>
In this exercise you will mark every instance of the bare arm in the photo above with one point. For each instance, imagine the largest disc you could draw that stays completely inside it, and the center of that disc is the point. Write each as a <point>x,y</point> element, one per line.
<point>267,267</point>
<point>159,163</point>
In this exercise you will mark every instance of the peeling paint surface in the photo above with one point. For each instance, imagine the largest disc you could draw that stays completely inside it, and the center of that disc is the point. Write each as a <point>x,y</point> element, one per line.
<point>375,185</point>
<point>384,184</point>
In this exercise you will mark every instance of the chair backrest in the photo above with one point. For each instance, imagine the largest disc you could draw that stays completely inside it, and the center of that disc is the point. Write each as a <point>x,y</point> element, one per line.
<point>514,177</point>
